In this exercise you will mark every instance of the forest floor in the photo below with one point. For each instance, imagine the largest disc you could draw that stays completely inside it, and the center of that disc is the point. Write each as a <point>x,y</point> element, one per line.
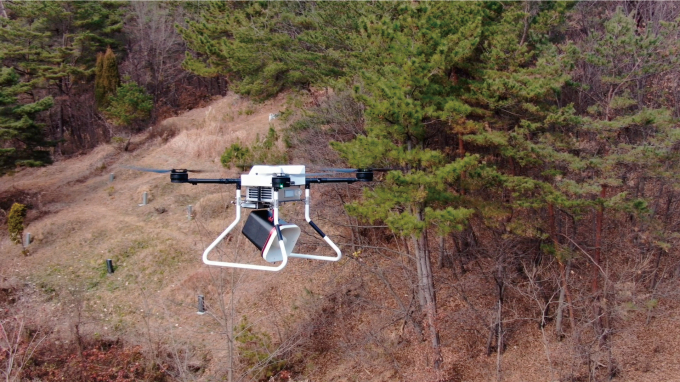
<point>330,321</point>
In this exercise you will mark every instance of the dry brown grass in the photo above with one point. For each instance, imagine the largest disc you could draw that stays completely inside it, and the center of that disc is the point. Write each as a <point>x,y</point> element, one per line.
<point>151,298</point>
<point>338,320</point>
<point>205,133</point>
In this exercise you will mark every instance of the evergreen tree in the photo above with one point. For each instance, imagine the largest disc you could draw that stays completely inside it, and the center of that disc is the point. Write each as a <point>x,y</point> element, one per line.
<point>107,78</point>
<point>58,41</point>
<point>55,44</point>
<point>15,222</point>
<point>625,136</point>
<point>265,47</point>
<point>407,91</point>
<point>22,139</point>
<point>130,103</point>
<point>99,90</point>
<point>478,74</point>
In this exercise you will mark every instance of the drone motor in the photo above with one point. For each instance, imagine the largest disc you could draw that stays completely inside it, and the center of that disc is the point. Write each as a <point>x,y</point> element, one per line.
<point>179,176</point>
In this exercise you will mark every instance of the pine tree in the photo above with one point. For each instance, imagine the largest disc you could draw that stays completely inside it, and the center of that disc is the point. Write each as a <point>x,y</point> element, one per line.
<point>479,75</point>
<point>407,93</point>
<point>22,139</point>
<point>99,90</point>
<point>55,44</point>
<point>626,135</point>
<point>58,41</point>
<point>130,103</point>
<point>15,222</point>
<point>107,77</point>
<point>265,47</point>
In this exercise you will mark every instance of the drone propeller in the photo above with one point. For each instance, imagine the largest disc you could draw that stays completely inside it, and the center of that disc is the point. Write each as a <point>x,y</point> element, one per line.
<point>158,171</point>
<point>352,170</point>
<point>318,173</point>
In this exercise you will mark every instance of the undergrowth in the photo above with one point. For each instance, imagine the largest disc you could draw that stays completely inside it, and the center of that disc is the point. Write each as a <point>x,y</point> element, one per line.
<point>261,152</point>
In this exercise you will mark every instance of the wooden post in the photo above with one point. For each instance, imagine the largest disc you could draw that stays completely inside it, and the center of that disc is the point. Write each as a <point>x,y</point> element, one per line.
<point>201,304</point>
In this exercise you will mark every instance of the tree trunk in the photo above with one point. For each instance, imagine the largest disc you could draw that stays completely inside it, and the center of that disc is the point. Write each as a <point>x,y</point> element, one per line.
<point>564,287</point>
<point>556,249</point>
<point>496,330</point>
<point>3,13</point>
<point>560,307</point>
<point>426,291</point>
<point>444,257</point>
<point>564,294</point>
<point>499,342</point>
<point>595,287</point>
<point>461,152</point>
<point>60,123</point>
<point>659,252</point>
<point>570,305</point>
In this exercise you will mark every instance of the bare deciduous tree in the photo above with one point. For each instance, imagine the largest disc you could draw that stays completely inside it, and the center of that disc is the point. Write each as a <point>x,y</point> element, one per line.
<point>155,48</point>
<point>17,345</point>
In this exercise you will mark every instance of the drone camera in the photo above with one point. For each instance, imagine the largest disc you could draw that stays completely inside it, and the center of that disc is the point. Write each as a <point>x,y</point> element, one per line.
<point>179,176</point>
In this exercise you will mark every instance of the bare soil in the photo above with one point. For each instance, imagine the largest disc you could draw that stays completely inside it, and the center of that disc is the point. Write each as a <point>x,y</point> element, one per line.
<point>336,321</point>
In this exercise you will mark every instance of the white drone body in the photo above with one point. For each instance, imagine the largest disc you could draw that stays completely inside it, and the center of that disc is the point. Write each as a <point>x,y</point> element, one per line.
<point>266,188</point>
<point>260,190</point>
<point>261,176</point>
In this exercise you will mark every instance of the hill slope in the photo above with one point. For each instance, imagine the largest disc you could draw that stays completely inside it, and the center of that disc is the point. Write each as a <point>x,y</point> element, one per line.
<point>330,321</point>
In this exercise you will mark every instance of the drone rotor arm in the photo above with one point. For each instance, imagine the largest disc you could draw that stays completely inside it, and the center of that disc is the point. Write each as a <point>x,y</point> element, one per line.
<point>146,169</point>
<point>182,176</point>
<point>196,181</point>
<point>309,181</point>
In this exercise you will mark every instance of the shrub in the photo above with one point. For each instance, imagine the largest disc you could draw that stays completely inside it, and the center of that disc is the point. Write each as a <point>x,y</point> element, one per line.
<point>257,351</point>
<point>130,103</point>
<point>261,152</point>
<point>236,154</point>
<point>106,77</point>
<point>15,222</point>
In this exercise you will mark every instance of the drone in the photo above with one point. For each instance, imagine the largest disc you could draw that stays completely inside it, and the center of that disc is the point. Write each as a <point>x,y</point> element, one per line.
<point>266,188</point>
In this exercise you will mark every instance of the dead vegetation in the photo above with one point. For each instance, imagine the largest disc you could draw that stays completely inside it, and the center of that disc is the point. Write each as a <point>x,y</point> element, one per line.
<point>347,321</point>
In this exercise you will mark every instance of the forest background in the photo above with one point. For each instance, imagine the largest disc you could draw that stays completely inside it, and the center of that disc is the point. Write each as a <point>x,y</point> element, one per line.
<point>534,145</point>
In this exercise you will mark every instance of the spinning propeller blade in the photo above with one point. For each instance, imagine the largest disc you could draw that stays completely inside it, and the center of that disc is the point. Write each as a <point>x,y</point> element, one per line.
<point>352,170</point>
<point>318,173</point>
<point>158,171</point>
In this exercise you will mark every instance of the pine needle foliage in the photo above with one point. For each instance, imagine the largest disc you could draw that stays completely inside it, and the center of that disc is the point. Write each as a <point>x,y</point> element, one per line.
<point>53,46</point>
<point>262,151</point>
<point>472,71</point>
<point>22,139</point>
<point>257,351</point>
<point>130,103</point>
<point>107,78</point>
<point>453,91</point>
<point>265,47</point>
<point>15,222</point>
<point>58,41</point>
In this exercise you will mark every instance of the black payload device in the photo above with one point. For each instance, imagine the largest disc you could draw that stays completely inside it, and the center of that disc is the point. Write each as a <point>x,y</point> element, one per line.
<point>260,230</point>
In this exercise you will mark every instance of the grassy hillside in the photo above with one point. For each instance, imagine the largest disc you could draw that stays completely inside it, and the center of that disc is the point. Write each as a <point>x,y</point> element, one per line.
<point>346,321</point>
